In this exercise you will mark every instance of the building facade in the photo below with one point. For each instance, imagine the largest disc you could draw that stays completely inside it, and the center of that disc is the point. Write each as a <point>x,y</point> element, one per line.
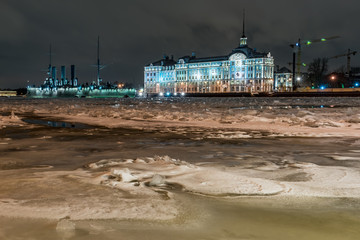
<point>283,80</point>
<point>243,70</point>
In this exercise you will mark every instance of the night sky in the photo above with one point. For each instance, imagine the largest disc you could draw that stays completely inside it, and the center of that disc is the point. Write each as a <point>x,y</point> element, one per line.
<point>134,33</point>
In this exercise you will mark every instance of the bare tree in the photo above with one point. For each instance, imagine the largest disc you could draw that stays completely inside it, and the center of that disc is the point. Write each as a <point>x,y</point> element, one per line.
<point>317,70</point>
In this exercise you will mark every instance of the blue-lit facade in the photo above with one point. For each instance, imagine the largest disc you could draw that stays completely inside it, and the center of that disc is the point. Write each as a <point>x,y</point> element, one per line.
<point>243,70</point>
<point>283,80</point>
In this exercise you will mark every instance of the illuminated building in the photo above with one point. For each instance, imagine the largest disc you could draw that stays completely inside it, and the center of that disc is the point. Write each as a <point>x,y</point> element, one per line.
<point>243,70</point>
<point>283,80</point>
<point>8,93</point>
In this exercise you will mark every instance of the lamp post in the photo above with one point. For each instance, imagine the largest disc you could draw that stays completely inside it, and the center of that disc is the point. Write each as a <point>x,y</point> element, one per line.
<point>333,79</point>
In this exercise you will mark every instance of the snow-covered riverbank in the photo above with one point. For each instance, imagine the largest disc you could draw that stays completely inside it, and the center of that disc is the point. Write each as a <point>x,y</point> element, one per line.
<point>146,185</point>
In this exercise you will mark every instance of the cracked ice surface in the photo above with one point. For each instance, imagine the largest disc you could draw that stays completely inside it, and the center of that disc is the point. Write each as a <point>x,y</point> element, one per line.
<point>279,116</point>
<point>146,187</point>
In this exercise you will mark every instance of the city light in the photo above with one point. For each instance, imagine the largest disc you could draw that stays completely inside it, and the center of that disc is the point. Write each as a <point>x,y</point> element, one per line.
<point>175,94</point>
<point>322,87</point>
<point>298,78</point>
<point>161,94</point>
<point>182,94</point>
<point>333,77</point>
<point>356,84</point>
<point>167,94</point>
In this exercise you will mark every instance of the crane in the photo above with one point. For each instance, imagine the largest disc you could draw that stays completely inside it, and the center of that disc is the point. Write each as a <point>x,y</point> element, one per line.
<point>348,55</point>
<point>297,51</point>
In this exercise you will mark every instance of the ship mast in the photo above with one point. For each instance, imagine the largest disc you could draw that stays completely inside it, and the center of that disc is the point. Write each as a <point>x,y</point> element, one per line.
<point>49,72</point>
<point>98,62</point>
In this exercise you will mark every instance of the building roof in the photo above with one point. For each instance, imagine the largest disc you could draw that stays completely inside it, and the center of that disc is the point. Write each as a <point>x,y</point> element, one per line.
<point>193,59</point>
<point>283,70</point>
<point>166,61</point>
<point>249,52</point>
<point>244,49</point>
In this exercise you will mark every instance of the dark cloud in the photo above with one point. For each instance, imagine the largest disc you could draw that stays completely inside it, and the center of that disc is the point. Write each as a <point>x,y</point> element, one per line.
<point>134,33</point>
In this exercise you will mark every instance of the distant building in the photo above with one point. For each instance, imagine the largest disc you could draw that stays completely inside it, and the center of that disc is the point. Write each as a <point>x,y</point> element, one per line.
<point>355,73</point>
<point>8,93</point>
<point>243,70</point>
<point>355,76</point>
<point>283,80</point>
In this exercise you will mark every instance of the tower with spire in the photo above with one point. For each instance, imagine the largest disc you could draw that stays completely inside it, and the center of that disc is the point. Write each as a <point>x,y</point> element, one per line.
<point>243,39</point>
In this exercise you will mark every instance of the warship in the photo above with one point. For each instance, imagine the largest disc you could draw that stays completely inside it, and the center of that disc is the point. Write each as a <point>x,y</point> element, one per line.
<point>53,87</point>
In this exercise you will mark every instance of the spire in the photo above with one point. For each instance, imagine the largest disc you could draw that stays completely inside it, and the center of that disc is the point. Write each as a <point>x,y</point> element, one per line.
<point>243,23</point>
<point>243,39</point>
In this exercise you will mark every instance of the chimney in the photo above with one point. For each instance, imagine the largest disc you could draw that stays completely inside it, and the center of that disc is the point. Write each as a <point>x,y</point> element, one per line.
<point>72,73</point>
<point>63,73</point>
<point>53,73</point>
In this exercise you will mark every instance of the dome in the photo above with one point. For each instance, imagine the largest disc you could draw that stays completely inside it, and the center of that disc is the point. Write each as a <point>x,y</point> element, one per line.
<point>237,56</point>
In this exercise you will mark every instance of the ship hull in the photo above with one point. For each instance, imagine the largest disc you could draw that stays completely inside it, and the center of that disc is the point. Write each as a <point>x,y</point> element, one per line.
<point>71,92</point>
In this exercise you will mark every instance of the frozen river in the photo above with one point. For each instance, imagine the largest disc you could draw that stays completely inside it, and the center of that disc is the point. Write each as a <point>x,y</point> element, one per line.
<point>242,168</point>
